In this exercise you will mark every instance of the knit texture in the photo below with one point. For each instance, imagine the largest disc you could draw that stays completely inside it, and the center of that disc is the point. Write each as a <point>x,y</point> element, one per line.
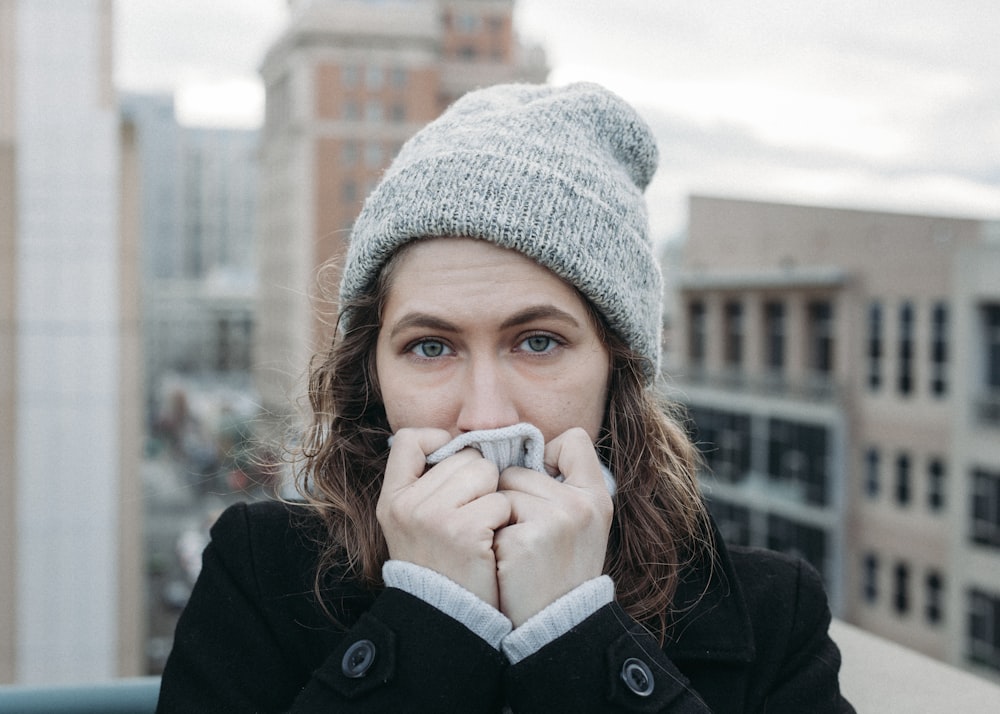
<point>515,445</point>
<point>555,173</point>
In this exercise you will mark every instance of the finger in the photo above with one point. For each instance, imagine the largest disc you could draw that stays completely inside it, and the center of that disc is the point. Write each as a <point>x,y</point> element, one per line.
<point>408,455</point>
<point>572,454</point>
<point>461,478</point>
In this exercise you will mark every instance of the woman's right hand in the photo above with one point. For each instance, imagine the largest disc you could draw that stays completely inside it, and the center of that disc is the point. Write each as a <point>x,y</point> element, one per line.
<point>445,518</point>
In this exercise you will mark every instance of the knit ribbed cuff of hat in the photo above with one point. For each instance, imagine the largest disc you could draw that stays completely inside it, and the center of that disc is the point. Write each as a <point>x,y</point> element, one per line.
<point>449,597</point>
<point>558,618</point>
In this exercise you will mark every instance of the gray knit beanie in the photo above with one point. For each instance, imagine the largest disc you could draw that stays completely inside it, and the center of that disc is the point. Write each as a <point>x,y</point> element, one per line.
<point>555,173</point>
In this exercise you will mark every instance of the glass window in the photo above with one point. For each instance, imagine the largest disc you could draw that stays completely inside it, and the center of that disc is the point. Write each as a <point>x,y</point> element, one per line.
<point>373,111</point>
<point>985,522</point>
<point>936,484</point>
<point>808,542</point>
<point>349,154</point>
<point>733,344</point>
<point>774,330</point>
<point>733,521</point>
<point>988,402</point>
<point>984,628</point>
<point>903,479</point>
<point>905,377</point>
<point>399,77</point>
<point>901,588</point>
<point>939,349</point>
<point>797,456</point>
<point>821,337</point>
<point>724,441</point>
<point>872,460</point>
<point>874,346</point>
<point>934,608</point>
<point>696,333</point>
<point>869,578</point>
<point>374,156</point>
<point>349,75</point>
<point>374,77</point>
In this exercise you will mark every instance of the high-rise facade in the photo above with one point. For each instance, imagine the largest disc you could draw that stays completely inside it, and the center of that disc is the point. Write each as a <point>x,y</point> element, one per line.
<point>841,369</point>
<point>347,83</point>
<point>70,536</point>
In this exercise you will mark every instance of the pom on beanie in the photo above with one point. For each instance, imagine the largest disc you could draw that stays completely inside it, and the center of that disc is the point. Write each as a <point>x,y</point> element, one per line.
<point>555,173</point>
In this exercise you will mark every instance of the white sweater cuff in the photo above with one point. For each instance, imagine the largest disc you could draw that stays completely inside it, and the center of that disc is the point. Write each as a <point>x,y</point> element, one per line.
<point>449,597</point>
<point>558,618</point>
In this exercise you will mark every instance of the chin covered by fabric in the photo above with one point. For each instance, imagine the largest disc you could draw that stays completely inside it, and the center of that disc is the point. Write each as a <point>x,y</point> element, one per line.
<point>515,445</point>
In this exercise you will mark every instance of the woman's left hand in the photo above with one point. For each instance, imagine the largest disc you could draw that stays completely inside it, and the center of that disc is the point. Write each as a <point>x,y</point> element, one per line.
<point>558,532</point>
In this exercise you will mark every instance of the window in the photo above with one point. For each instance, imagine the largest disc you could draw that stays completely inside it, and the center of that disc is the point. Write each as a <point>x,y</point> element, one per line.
<point>733,521</point>
<point>984,628</point>
<point>933,607</point>
<point>349,192</point>
<point>724,440</point>
<point>696,333</point>
<point>805,541</point>
<point>936,484</point>
<point>872,472</point>
<point>869,578</point>
<point>352,112</point>
<point>985,524</point>
<point>797,457</point>
<point>374,156</point>
<point>939,349</point>
<point>349,75</point>
<point>397,112</point>
<point>989,402</point>
<point>774,330</point>
<point>399,77</point>
<point>903,479</point>
<point>904,381</point>
<point>373,111</point>
<point>874,346</point>
<point>821,337</point>
<point>901,588</point>
<point>733,344</point>
<point>349,154</point>
<point>374,77</point>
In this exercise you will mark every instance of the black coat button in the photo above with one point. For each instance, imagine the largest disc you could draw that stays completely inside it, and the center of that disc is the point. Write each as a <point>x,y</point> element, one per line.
<point>358,659</point>
<point>638,677</point>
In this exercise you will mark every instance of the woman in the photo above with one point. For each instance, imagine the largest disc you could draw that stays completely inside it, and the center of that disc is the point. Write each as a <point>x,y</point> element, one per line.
<point>499,513</point>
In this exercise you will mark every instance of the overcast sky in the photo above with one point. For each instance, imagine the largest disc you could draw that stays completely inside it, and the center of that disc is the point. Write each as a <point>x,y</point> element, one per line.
<point>875,104</point>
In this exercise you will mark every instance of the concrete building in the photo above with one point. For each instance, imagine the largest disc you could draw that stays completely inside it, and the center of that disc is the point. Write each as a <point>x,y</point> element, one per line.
<point>347,83</point>
<point>70,430</point>
<point>198,189</point>
<point>841,368</point>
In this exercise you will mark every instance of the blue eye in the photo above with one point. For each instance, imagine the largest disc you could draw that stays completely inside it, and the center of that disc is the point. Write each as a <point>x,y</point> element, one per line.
<point>430,349</point>
<point>539,344</point>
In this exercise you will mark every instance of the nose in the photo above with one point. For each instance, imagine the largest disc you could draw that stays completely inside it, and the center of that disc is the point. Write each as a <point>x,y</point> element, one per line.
<point>487,399</point>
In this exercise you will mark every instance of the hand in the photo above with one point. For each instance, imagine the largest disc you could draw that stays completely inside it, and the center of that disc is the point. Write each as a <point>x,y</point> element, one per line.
<point>557,537</point>
<point>443,519</point>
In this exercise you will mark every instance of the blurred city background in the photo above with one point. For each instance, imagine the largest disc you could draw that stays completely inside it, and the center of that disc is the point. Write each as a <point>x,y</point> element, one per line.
<point>173,175</point>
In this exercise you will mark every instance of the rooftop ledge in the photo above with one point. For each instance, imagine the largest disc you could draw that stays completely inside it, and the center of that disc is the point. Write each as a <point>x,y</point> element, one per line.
<point>876,676</point>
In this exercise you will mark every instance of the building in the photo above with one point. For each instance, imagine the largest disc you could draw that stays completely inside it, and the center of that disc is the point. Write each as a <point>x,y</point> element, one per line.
<point>347,83</point>
<point>198,189</point>
<point>840,368</point>
<point>70,426</point>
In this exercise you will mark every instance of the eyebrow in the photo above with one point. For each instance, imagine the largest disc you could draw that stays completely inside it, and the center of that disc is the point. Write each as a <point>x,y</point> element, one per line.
<point>530,314</point>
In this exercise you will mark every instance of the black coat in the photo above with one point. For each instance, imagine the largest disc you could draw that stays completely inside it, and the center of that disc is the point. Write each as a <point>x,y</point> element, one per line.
<point>253,639</point>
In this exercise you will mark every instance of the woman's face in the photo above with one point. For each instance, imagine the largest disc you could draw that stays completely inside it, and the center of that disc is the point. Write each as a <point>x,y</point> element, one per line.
<point>479,337</point>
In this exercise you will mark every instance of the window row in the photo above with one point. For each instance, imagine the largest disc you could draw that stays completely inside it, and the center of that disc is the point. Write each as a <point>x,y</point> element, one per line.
<point>905,350</point>
<point>988,403</point>
<point>373,77</point>
<point>774,327</point>
<point>902,587</point>
<point>374,110</point>
<point>794,456</point>
<point>741,525</point>
<point>372,154</point>
<point>901,478</point>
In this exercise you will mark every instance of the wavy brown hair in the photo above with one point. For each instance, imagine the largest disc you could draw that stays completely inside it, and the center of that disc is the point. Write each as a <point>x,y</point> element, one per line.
<point>660,522</point>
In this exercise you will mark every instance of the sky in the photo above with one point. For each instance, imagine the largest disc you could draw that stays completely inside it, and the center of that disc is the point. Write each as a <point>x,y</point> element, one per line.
<point>869,104</point>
